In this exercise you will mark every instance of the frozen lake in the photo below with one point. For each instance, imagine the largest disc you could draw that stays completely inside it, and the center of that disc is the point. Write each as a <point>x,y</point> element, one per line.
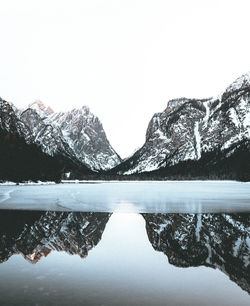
<point>140,197</point>
<point>125,243</point>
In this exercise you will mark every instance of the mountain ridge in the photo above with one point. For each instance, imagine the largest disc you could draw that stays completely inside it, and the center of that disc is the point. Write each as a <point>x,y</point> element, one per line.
<point>189,128</point>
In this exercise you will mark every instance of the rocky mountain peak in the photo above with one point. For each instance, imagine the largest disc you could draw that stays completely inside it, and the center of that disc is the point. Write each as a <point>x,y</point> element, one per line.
<point>190,128</point>
<point>41,108</point>
<point>240,83</point>
<point>174,104</point>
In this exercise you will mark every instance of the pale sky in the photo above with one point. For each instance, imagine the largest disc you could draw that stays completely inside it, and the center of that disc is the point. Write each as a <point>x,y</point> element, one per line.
<point>123,58</point>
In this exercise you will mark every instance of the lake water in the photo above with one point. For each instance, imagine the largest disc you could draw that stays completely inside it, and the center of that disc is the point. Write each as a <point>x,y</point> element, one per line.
<point>145,243</point>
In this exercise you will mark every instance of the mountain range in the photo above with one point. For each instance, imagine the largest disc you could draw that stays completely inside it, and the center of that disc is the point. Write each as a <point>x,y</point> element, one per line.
<point>191,138</point>
<point>198,137</point>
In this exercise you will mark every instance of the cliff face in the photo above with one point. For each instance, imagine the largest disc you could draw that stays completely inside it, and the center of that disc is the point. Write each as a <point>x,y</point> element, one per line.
<point>31,150</point>
<point>85,135</point>
<point>189,128</point>
<point>75,141</point>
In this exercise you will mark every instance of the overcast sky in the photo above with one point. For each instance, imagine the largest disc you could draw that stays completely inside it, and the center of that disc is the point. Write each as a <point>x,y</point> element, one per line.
<point>124,59</point>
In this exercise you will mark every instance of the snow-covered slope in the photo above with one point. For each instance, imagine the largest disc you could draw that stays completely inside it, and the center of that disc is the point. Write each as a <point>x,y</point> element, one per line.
<point>85,135</point>
<point>77,134</point>
<point>189,127</point>
<point>48,136</point>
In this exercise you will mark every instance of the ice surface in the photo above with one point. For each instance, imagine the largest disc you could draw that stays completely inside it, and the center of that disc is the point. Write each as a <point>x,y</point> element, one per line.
<point>141,197</point>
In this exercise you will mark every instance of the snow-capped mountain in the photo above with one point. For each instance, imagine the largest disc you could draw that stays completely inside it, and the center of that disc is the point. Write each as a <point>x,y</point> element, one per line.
<point>187,128</point>
<point>85,135</point>
<point>32,150</point>
<point>78,132</point>
<point>219,241</point>
<point>77,135</point>
<point>41,108</point>
<point>48,136</point>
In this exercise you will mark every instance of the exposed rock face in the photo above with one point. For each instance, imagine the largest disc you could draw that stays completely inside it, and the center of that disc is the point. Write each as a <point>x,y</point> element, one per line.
<point>220,241</point>
<point>84,133</point>
<point>9,121</point>
<point>36,234</point>
<point>229,116</point>
<point>31,150</point>
<point>189,127</point>
<point>77,135</point>
<point>47,136</point>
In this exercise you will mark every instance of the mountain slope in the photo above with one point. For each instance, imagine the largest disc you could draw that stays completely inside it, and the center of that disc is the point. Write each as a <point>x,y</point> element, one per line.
<point>23,155</point>
<point>84,133</point>
<point>189,128</point>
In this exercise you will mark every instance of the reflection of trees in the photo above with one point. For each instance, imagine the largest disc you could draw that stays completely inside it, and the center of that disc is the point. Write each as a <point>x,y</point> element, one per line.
<point>36,234</point>
<point>214,240</point>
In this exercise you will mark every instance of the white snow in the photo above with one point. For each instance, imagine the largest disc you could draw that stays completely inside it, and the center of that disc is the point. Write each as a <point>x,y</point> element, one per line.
<point>237,246</point>
<point>161,228</point>
<point>239,82</point>
<point>234,117</point>
<point>161,135</point>
<point>197,140</point>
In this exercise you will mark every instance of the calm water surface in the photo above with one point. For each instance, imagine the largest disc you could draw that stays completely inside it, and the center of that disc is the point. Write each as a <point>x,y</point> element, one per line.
<point>134,254</point>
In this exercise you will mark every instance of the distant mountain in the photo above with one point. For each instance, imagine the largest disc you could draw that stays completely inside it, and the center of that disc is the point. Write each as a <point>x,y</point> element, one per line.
<point>74,142</point>
<point>36,234</point>
<point>189,129</point>
<point>219,241</point>
<point>85,135</point>
<point>41,108</point>
<point>26,155</point>
<point>77,132</point>
<point>190,139</point>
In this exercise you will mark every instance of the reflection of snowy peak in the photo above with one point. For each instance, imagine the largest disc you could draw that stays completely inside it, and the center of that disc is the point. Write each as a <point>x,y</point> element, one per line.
<point>36,234</point>
<point>220,241</point>
<point>84,133</point>
<point>187,128</point>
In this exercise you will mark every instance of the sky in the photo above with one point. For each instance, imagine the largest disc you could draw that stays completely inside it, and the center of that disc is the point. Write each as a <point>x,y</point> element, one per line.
<point>123,58</point>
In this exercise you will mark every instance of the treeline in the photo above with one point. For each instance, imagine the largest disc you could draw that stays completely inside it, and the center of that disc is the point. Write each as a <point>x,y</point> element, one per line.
<point>20,161</point>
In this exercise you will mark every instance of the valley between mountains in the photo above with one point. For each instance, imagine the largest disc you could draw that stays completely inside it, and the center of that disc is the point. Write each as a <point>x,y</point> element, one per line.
<point>191,139</point>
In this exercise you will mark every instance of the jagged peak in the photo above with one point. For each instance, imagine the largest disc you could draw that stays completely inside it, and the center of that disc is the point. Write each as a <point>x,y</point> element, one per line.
<point>41,108</point>
<point>175,104</point>
<point>240,82</point>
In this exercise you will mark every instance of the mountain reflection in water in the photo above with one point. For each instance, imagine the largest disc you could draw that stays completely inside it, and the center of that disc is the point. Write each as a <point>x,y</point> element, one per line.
<point>219,241</point>
<point>213,240</point>
<point>36,234</point>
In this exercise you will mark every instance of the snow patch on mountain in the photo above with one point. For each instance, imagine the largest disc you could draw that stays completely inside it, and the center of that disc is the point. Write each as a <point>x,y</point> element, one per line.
<point>85,135</point>
<point>197,140</point>
<point>242,81</point>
